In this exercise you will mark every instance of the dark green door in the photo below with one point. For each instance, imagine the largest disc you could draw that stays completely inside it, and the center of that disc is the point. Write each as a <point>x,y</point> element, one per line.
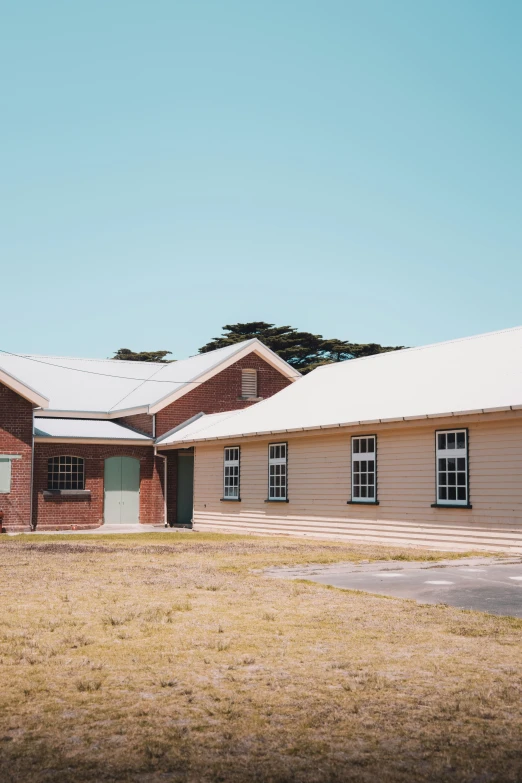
<point>185,488</point>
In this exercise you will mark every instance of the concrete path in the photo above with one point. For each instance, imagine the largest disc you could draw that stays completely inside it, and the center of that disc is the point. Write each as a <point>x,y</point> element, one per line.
<point>106,529</point>
<point>490,584</point>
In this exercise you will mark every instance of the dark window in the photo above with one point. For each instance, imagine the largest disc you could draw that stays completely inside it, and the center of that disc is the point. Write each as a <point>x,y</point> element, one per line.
<point>65,473</point>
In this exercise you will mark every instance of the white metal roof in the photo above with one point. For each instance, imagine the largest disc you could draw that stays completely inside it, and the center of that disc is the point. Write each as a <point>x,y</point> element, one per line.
<point>85,429</point>
<point>481,373</point>
<point>107,387</point>
<point>194,426</point>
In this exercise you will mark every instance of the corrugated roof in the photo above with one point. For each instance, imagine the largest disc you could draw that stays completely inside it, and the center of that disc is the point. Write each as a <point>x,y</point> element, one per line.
<point>107,386</point>
<point>84,429</point>
<point>460,376</point>
<point>195,426</point>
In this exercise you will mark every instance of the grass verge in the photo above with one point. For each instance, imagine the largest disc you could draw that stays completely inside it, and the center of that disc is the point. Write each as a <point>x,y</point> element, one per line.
<point>165,657</point>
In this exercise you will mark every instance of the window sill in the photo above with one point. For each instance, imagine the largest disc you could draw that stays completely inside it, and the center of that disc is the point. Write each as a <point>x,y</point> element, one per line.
<point>250,399</point>
<point>362,503</point>
<point>52,493</point>
<point>230,500</point>
<point>277,500</point>
<point>451,505</point>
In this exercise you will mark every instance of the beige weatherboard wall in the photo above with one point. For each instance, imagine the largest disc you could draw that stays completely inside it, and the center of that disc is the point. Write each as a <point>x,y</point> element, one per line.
<point>319,486</point>
<point>402,398</point>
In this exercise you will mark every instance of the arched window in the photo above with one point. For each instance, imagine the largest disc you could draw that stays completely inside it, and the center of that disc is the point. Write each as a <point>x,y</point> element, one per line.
<point>65,473</point>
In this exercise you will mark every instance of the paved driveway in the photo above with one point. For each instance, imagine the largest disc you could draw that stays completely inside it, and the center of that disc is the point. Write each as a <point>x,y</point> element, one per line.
<point>486,584</point>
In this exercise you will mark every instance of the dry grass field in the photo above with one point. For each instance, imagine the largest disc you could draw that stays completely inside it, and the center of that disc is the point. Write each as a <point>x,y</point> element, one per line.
<point>169,657</point>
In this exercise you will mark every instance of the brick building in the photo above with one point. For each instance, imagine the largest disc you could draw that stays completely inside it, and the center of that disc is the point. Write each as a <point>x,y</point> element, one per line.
<point>80,439</point>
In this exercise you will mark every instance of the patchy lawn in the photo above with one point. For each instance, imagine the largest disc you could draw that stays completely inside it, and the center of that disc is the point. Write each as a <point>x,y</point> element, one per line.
<point>165,657</point>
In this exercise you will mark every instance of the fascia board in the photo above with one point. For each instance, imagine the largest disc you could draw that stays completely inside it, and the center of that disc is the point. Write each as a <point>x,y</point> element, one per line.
<point>23,390</point>
<point>364,423</point>
<point>178,427</point>
<point>253,347</point>
<point>57,414</point>
<point>95,441</point>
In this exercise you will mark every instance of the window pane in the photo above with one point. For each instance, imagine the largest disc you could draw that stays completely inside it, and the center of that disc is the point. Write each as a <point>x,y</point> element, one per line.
<point>461,493</point>
<point>461,463</point>
<point>451,463</point>
<point>371,444</point>
<point>363,445</point>
<point>461,440</point>
<point>356,465</point>
<point>452,479</point>
<point>363,492</point>
<point>356,492</point>
<point>442,478</point>
<point>442,440</point>
<point>452,493</point>
<point>461,479</point>
<point>355,445</point>
<point>451,440</point>
<point>442,464</point>
<point>371,492</point>
<point>371,465</point>
<point>442,493</point>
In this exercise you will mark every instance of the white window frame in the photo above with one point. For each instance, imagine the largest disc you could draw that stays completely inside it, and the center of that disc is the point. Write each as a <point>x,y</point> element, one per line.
<point>363,479</point>
<point>62,471</point>
<point>231,463</point>
<point>248,377</point>
<point>6,472</point>
<point>443,471</point>
<point>277,462</point>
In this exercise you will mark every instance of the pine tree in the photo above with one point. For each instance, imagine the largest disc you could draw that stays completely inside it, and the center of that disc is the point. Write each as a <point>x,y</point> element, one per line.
<point>303,350</point>
<point>125,354</point>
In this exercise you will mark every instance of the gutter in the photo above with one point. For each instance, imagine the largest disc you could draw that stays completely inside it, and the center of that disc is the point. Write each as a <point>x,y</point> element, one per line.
<point>31,525</point>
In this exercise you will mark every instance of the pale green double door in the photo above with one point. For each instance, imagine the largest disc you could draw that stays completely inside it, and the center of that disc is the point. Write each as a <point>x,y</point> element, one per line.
<point>121,490</point>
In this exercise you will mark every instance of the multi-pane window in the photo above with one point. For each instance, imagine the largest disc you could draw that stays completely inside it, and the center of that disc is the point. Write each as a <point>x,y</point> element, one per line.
<point>452,467</point>
<point>249,383</point>
<point>364,474</point>
<point>231,473</point>
<point>277,471</point>
<point>65,473</point>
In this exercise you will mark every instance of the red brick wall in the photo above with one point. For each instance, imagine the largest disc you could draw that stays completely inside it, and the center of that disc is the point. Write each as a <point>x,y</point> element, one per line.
<point>141,422</point>
<point>221,393</point>
<point>16,423</point>
<point>67,511</point>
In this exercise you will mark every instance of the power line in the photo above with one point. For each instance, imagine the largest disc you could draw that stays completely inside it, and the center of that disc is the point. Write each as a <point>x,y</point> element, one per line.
<point>92,372</point>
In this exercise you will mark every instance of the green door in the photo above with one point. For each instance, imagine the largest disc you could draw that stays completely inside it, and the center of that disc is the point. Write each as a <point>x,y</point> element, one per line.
<point>185,488</point>
<point>122,490</point>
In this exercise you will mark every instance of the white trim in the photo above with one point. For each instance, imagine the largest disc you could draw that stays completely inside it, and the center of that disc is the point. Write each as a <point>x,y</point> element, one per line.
<point>58,414</point>
<point>253,347</point>
<point>23,390</point>
<point>178,427</point>
<point>233,464</point>
<point>442,468</point>
<point>362,423</point>
<point>10,456</point>
<point>95,441</point>
<point>361,468</point>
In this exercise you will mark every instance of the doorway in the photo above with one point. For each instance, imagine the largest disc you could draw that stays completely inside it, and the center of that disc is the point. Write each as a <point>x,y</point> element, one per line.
<point>185,492</point>
<point>121,490</point>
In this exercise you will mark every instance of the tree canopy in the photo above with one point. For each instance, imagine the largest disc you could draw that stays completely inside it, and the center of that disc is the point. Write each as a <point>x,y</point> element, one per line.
<point>125,354</point>
<point>303,350</point>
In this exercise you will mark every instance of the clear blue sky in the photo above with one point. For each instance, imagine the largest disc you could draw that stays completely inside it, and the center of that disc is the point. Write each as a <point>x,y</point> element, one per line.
<point>350,168</point>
